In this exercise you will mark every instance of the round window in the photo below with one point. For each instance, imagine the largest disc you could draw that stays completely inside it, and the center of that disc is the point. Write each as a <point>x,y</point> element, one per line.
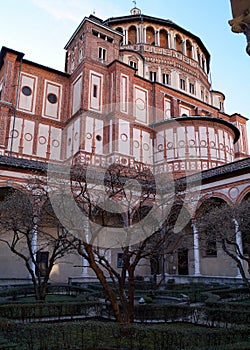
<point>52,98</point>
<point>26,90</point>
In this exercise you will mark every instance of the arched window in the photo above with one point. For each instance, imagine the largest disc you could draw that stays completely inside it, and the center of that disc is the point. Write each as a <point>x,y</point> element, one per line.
<point>178,43</point>
<point>132,37</point>
<point>198,57</point>
<point>203,63</point>
<point>189,49</point>
<point>150,36</point>
<point>120,30</point>
<point>80,56</point>
<point>164,39</point>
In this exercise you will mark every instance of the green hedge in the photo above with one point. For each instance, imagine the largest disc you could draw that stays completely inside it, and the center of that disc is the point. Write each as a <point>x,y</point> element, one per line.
<point>212,314</point>
<point>13,292</point>
<point>166,313</point>
<point>31,311</point>
<point>108,335</point>
<point>231,293</point>
<point>218,313</point>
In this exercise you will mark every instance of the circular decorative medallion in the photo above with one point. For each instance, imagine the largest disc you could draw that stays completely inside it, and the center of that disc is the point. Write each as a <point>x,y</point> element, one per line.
<point>14,134</point>
<point>28,137</point>
<point>146,147</point>
<point>136,144</point>
<point>89,135</point>
<point>203,143</point>
<point>160,147</point>
<point>98,138</point>
<point>233,192</point>
<point>42,140</point>
<point>169,145</point>
<point>182,143</point>
<point>140,104</point>
<point>55,143</point>
<point>124,137</point>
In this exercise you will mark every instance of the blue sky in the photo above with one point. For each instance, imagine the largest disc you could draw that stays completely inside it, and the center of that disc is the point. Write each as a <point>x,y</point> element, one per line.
<point>41,28</point>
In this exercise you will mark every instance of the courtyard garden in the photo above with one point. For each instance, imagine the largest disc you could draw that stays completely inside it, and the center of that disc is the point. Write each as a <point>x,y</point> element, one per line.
<point>191,316</point>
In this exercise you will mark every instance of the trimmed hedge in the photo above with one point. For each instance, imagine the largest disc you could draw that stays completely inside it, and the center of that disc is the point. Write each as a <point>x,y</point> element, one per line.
<point>31,311</point>
<point>108,335</point>
<point>213,314</point>
<point>227,313</point>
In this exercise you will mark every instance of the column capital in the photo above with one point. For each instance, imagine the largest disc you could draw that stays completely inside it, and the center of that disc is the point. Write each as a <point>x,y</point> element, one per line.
<point>241,19</point>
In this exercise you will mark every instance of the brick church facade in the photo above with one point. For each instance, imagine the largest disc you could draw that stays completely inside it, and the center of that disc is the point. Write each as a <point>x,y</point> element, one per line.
<point>136,92</point>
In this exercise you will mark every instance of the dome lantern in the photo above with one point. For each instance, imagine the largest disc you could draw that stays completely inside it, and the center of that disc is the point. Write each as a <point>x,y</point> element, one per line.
<point>135,10</point>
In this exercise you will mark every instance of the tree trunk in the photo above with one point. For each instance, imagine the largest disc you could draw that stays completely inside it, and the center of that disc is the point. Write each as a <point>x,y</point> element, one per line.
<point>124,302</point>
<point>101,277</point>
<point>131,295</point>
<point>238,263</point>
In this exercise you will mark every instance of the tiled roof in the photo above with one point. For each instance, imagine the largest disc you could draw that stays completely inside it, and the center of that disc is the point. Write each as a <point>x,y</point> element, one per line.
<point>226,170</point>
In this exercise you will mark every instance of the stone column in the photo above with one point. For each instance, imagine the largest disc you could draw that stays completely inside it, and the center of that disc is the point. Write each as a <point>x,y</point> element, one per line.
<point>157,38</point>
<point>125,40</point>
<point>110,136</point>
<point>205,65</point>
<point>34,246</point>
<point>192,52</point>
<point>138,39</point>
<point>200,61</point>
<point>173,42</point>
<point>169,41</point>
<point>184,51</point>
<point>196,251</point>
<point>238,239</point>
<point>195,56</point>
<point>144,36</point>
<point>85,267</point>
<point>124,36</point>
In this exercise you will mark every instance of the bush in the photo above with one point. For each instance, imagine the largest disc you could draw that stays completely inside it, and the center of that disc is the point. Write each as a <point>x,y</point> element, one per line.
<point>148,299</point>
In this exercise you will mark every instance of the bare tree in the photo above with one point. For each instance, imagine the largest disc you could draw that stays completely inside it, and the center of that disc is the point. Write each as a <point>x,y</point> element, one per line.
<point>30,229</point>
<point>230,227</point>
<point>127,207</point>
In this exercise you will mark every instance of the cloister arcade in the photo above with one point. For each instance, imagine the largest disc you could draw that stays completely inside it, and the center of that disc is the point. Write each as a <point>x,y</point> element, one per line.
<point>188,252</point>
